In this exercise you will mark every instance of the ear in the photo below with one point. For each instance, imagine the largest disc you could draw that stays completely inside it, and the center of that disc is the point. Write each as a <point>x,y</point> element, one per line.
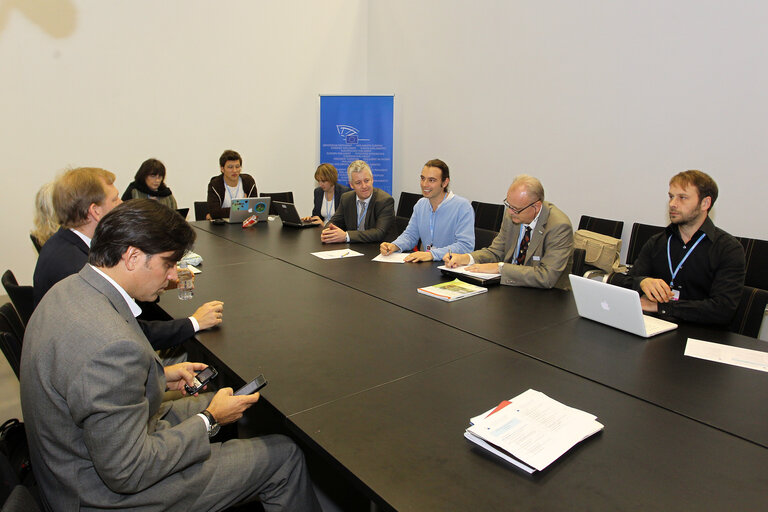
<point>706,203</point>
<point>132,258</point>
<point>94,211</point>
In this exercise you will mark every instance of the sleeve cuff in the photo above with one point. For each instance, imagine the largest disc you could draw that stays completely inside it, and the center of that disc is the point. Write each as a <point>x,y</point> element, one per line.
<point>195,325</point>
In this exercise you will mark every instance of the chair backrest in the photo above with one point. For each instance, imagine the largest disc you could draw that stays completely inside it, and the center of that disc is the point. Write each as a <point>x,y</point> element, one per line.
<point>641,233</point>
<point>750,313</point>
<point>10,343</point>
<point>756,252</point>
<point>201,210</point>
<point>284,197</point>
<point>35,242</point>
<point>607,227</point>
<point>10,320</point>
<point>488,215</point>
<point>484,237</point>
<point>21,296</point>
<point>405,205</point>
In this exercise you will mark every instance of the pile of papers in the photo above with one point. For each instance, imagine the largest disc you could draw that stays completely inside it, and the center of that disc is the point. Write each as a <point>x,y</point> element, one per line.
<point>531,430</point>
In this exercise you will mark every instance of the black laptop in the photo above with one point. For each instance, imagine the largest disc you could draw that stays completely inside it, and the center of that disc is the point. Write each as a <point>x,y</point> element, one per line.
<point>290,217</point>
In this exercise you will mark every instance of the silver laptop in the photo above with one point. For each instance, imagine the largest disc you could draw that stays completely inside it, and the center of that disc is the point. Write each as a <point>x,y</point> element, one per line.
<point>290,216</point>
<point>615,306</point>
<point>241,209</point>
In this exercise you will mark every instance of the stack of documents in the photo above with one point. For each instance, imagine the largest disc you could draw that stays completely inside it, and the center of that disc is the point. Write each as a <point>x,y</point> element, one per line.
<point>531,430</point>
<point>452,290</point>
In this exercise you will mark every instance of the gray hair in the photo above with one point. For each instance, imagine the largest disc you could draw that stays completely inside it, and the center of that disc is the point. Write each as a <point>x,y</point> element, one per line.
<point>357,166</point>
<point>532,186</point>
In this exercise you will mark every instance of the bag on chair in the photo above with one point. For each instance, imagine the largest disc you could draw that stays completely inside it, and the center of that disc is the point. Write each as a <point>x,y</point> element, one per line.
<point>602,251</point>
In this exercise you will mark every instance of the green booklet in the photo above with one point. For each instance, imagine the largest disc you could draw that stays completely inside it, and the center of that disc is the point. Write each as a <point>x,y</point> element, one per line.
<point>452,290</point>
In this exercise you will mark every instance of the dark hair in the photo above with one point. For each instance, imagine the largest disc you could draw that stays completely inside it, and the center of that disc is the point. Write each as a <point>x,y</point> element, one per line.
<point>327,172</point>
<point>701,180</point>
<point>439,164</point>
<point>142,223</point>
<point>151,167</point>
<point>229,155</point>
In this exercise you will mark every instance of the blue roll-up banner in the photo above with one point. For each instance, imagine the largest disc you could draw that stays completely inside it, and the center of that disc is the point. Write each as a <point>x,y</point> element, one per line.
<point>358,128</point>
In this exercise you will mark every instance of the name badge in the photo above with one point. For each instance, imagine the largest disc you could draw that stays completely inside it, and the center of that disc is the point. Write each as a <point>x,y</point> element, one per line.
<point>675,294</point>
<point>536,258</point>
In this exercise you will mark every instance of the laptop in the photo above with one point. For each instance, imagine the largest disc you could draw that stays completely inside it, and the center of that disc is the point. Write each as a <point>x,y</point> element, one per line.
<point>241,209</point>
<point>615,306</point>
<point>290,216</point>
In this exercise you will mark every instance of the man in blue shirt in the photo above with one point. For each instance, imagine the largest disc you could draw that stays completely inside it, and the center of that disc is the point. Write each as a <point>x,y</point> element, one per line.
<point>444,222</point>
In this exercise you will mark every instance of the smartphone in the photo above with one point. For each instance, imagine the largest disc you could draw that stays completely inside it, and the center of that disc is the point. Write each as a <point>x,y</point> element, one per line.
<point>253,386</point>
<point>202,378</point>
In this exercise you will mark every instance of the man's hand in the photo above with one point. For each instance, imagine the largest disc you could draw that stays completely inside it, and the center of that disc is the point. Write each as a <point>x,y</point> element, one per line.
<point>648,305</point>
<point>455,260</point>
<point>209,314</point>
<point>484,268</point>
<point>177,375</point>
<point>417,256</point>
<point>387,248</point>
<point>333,235</point>
<point>657,290</point>
<point>314,219</point>
<point>228,408</point>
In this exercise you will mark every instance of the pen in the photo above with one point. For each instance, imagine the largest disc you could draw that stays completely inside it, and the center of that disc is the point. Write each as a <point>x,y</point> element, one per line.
<point>345,254</point>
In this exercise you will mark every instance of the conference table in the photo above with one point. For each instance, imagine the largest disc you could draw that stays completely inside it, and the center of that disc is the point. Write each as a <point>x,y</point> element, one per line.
<point>381,382</point>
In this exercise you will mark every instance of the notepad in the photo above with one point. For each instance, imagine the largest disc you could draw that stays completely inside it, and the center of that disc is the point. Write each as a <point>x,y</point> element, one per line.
<point>452,290</point>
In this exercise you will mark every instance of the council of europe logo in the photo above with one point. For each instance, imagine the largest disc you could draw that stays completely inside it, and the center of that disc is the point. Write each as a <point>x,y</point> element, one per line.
<point>348,133</point>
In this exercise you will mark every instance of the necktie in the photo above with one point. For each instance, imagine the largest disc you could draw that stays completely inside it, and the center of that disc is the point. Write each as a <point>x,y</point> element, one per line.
<point>361,217</point>
<point>524,246</point>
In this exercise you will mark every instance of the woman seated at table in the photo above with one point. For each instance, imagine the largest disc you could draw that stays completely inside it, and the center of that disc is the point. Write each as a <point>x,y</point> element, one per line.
<point>229,185</point>
<point>149,183</point>
<point>45,220</point>
<point>327,195</point>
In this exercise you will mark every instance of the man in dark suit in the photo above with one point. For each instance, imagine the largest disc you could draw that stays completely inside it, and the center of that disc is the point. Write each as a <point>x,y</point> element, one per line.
<point>365,213</point>
<point>534,246</point>
<point>81,197</point>
<point>100,435</point>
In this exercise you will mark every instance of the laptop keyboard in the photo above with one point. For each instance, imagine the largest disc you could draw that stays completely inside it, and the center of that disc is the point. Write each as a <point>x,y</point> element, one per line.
<point>655,325</point>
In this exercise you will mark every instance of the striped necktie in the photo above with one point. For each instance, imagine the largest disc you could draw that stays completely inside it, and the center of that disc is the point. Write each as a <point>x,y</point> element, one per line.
<point>524,246</point>
<point>361,217</point>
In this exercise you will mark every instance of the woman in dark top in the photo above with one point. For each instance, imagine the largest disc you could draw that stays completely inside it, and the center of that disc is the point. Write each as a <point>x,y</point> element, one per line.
<point>327,195</point>
<point>149,183</point>
<point>230,184</point>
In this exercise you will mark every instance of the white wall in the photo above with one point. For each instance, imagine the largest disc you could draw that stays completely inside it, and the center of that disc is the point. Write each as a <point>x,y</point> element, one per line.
<point>109,84</point>
<point>602,100</point>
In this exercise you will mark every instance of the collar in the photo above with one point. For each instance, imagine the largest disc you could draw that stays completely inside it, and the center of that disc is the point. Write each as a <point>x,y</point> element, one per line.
<point>447,198</point>
<point>83,237</point>
<point>366,201</point>
<point>708,228</point>
<point>135,309</point>
<point>536,218</point>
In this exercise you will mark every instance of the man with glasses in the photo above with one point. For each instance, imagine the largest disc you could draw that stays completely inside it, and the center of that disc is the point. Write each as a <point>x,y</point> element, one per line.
<point>534,245</point>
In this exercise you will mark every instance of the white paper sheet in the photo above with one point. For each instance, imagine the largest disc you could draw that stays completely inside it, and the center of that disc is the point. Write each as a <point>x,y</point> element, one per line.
<point>736,356</point>
<point>395,257</point>
<point>337,254</point>
<point>461,270</point>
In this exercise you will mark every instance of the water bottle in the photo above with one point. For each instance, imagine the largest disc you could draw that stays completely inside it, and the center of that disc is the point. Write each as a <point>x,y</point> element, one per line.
<point>185,282</point>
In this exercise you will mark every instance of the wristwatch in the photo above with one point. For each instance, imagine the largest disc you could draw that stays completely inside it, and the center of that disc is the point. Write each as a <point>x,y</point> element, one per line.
<point>213,426</point>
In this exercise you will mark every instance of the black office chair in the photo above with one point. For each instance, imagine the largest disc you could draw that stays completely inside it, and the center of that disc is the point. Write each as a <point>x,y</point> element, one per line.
<point>641,233</point>
<point>488,215</point>
<point>750,313</point>
<point>405,205</point>
<point>183,212</point>
<point>10,343</point>
<point>756,252</point>
<point>201,210</point>
<point>21,296</point>
<point>607,227</point>
<point>484,237</point>
<point>35,242</point>
<point>283,197</point>
<point>10,320</point>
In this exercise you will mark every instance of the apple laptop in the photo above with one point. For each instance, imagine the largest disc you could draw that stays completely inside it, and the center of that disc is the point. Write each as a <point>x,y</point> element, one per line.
<point>290,216</point>
<point>615,306</point>
<point>241,209</point>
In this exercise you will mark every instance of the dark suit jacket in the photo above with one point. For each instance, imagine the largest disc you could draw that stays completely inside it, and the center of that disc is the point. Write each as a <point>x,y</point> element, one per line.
<point>548,259</point>
<point>65,254</point>
<point>379,218</point>
<point>100,435</point>
<point>338,190</point>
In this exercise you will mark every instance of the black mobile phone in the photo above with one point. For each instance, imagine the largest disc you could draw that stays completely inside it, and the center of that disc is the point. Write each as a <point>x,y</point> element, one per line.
<point>253,386</point>
<point>202,378</point>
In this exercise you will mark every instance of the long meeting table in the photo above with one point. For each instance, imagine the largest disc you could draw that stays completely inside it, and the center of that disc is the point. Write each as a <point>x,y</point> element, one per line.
<point>382,381</point>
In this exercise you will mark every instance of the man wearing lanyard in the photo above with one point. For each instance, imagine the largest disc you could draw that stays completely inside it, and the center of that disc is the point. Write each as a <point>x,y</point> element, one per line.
<point>693,271</point>
<point>365,214</point>
<point>444,222</point>
<point>534,246</point>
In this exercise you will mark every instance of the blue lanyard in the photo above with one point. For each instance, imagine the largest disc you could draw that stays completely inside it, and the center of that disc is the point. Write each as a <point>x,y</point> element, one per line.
<point>679,265</point>
<point>329,210</point>
<point>432,216</point>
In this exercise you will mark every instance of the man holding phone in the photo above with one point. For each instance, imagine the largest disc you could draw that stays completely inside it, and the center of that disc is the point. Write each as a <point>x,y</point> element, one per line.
<point>100,435</point>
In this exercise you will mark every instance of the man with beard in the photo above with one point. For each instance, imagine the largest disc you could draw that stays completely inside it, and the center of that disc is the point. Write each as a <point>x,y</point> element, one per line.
<point>692,271</point>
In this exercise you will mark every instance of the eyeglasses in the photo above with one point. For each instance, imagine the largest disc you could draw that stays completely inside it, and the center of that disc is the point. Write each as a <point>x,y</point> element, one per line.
<point>518,211</point>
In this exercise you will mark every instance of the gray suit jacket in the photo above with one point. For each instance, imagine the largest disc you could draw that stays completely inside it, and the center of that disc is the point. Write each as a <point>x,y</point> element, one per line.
<point>100,435</point>
<point>379,218</point>
<point>548,259</point>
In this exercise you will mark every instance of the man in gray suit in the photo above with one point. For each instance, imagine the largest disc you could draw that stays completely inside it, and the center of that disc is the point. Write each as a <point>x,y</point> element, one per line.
<point>534,246</point>
<point>100,436</point>
<point>365,213</point>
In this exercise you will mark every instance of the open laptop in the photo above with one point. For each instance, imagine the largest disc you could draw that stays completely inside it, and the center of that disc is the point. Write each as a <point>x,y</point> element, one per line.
<point>290,216</point>
<point>241,209</point>
<point>615,306</point>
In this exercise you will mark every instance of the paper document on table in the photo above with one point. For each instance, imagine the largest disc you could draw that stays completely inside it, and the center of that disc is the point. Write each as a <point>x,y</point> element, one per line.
<point>534,428</point>
<point>744,357</point>
<point>395,257</point>
<point>334,255</point>
<point>460,270</point>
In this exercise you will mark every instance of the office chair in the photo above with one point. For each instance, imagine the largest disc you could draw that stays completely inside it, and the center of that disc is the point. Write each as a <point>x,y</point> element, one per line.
<point>201,210</point>
<point>607,227</point>
<point>640,234</point>
<point>21,296</point>
<point>35,242</point>
<point>283,197</point>
<point>10,343</point>
<point>484,237</point>
<point>756,252</point>
<point>10,321</point>
<point>488,215</point>
<point>405,205</point>
<point>750,313</point>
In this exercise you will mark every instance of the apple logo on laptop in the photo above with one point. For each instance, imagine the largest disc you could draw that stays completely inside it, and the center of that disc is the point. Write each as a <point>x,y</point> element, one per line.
<point>604,305</point>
